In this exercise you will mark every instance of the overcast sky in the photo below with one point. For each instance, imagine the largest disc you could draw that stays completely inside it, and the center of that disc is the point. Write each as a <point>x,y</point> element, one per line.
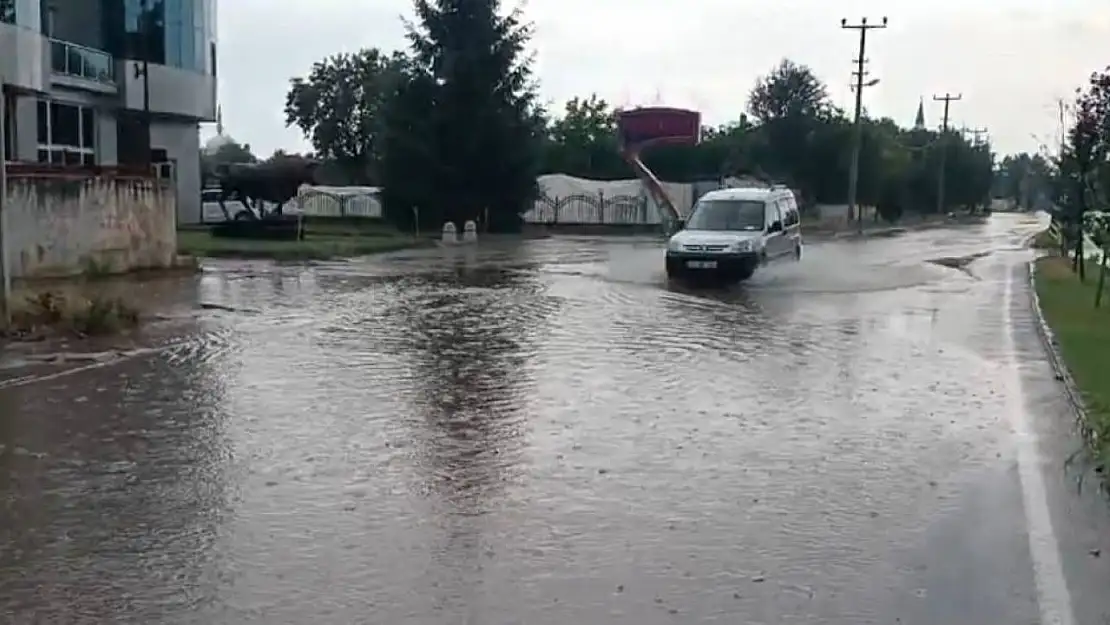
<point>1010,59</point>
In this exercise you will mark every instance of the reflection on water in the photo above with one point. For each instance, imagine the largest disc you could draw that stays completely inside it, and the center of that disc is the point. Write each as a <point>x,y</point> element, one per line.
<point>468,346</point>
<point>468,337</point>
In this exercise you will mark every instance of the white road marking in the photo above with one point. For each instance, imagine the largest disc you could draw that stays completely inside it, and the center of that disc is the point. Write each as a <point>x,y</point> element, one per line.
<point>1053,596</point>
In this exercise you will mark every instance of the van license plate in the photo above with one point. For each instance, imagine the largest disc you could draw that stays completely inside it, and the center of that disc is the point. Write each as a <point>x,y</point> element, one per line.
<point>701,264</point>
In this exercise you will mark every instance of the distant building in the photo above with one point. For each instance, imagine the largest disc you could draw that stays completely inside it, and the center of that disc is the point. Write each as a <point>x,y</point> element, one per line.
<point>72,84</point>
<point>919,121</point>
<point>221,140</point>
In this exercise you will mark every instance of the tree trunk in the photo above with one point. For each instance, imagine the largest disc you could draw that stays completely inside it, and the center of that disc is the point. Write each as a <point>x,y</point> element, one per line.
<point>1101,277</point>
<point>1078,266</point>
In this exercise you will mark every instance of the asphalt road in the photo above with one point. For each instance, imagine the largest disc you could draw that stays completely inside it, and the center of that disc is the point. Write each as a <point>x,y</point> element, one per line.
<point>546,433</point>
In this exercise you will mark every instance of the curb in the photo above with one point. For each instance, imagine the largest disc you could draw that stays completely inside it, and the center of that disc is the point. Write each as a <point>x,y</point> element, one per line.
<point>1055,358</point>
<point>873,233</point>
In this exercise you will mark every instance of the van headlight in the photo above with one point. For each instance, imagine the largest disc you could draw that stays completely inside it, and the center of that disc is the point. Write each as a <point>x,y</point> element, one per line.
<point>674,246</point>
<point>742,246</point>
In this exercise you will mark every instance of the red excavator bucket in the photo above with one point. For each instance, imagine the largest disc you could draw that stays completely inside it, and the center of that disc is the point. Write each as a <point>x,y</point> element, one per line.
<point>642,128</point>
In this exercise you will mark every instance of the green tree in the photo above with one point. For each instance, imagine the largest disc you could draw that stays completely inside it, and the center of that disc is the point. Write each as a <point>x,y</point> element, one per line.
<point>789,91</point>
<point>339,108</point>
<point>1083,164</point>
<point>1024,178</point>
<point>466,130</point>
<point>583,141</point>
<point>792,107</point>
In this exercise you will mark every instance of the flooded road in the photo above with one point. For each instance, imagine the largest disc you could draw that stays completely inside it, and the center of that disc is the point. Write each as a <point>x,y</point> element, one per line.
<point>544,432</point>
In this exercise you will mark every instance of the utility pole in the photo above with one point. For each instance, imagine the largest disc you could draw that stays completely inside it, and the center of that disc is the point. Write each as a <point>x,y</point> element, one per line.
<point>857,128</point>
<point>948,99</point>
<point>979,142</point>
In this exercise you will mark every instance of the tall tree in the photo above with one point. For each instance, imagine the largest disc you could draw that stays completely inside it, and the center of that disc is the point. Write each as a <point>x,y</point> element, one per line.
<point>467,142</point>
<point>1083,163</point>
<point>585,119</point>
<point>789,91</point>
<point>339,106</point>
<point>583,141</point>
<point>791,104</point>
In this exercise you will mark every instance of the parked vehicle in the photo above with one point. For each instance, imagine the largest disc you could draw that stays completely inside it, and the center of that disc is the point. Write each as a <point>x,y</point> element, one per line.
<point>732,232</point>
<point>211,212</point>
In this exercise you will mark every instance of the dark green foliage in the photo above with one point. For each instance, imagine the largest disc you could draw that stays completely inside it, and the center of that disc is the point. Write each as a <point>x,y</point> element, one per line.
<point>458,133</point>
<point>465,133</point>
<point>1082,182</point>
<point>339,107</point>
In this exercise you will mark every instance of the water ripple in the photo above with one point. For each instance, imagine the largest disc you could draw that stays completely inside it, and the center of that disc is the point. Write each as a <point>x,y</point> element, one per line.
<point>540,433</point>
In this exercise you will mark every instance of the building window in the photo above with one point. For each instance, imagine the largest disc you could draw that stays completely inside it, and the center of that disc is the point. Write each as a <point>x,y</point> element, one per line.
<point>144,31</point>
<point>176,33</point>
<point>7,11</point>
<point>185,36</point>
<point>66,134</point>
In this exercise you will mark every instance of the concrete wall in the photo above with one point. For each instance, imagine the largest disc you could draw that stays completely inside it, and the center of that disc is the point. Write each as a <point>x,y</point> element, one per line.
<point>24,58</point>
<point>60,226</point>
<point>107,142</point>
<point>181,141</point>
<point>173,91</point>
<point>26,129</point>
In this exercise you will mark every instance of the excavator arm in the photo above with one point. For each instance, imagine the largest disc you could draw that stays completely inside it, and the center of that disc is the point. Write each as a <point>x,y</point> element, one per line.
<point>651,182</point>
<point>642,128</point>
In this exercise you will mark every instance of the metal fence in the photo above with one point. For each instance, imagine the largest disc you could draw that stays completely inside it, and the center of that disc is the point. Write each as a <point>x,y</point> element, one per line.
<point>320,203</point>
<point>309,201</point>
<point>574,209</point>
<point>599,209</point>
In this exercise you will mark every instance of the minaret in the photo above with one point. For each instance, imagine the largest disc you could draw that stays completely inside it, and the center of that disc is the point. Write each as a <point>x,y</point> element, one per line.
<point>919,121</point>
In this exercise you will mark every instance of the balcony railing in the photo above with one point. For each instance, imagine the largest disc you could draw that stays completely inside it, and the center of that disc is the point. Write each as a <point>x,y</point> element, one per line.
<point>70,59</point>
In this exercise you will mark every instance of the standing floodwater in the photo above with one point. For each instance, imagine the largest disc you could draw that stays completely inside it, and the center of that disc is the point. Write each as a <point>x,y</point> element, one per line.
<point>538,433</point>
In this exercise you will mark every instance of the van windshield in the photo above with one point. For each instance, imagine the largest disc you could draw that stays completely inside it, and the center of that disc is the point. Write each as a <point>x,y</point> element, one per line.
<point>727,215</point>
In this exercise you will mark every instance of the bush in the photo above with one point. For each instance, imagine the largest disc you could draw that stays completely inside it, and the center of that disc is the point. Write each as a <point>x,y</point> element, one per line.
<point>57,311</point>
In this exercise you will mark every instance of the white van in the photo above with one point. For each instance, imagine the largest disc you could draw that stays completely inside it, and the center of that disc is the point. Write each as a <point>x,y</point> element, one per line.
<point>732,232</point>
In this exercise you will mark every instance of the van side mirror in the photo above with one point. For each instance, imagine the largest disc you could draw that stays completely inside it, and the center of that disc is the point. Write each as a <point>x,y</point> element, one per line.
<point>679,224</point>
<point>775,226</point>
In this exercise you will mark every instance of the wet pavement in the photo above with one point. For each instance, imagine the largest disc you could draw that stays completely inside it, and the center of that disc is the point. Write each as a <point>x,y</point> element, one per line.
<point>544,432</point>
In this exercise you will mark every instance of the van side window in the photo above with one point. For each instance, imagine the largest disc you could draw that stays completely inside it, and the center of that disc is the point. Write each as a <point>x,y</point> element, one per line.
<point>790,213</point>
<point>791,217</point>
